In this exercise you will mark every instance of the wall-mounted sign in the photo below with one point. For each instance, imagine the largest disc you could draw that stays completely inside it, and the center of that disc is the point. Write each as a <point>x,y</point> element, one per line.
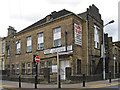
<point>78,34</point>
<point>55,50</point>
<point>54,69</point>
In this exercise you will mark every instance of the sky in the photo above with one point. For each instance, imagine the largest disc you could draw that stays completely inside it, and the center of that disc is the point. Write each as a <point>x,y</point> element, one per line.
<point>22,13</point>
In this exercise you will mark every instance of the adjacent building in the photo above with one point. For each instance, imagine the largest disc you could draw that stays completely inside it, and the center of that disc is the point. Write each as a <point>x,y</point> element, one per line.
<point>94,39</point>
<point>2,54</point>
<point>116,57</point>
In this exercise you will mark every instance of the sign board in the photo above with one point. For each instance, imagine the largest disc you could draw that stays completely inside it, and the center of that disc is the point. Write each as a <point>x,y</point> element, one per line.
<point>78,34</point>
<point>54,69</point>
<point>37,59</point>
<point>60,49</point>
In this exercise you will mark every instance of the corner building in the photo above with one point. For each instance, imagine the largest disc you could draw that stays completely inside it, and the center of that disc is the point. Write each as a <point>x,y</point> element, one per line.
<point>45,38</point>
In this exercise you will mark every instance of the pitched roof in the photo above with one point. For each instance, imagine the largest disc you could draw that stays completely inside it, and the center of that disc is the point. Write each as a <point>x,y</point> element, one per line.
<point>53,15</point>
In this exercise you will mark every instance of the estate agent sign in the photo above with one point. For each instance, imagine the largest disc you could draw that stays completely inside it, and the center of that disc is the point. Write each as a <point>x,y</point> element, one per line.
<point>78,34</point>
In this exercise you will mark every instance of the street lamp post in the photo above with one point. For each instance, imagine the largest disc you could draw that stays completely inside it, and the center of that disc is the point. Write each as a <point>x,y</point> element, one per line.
<point>104,49</point>
<point>114,65</point>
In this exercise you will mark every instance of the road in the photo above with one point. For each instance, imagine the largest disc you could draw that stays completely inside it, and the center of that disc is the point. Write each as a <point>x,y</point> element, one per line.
<point>102,85</point>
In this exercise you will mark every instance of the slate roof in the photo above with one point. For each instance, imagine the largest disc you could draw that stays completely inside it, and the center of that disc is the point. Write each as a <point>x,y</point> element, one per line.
<point>53,15</point>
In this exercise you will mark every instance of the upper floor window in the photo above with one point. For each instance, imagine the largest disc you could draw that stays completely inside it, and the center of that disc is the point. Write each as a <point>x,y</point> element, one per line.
<point>96,36</point>
<point>8,50</point>
<point>18,46</point>
<point>57,37</point>
<point>29,44</point>
<point>2,47</point>
<point>115,52</point>
<point>40,41</point>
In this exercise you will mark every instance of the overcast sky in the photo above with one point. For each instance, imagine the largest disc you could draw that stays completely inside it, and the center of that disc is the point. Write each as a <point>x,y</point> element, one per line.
<point>22,13</point>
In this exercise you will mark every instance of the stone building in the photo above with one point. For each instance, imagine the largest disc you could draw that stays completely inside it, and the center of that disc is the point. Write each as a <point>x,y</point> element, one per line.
<point>94,39</point>
<point>108,54</point>
<point>116,57</point>
<point>63,32</point>
<point>2,53</point>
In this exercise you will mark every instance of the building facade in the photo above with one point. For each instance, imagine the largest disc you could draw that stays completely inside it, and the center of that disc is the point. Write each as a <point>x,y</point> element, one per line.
<point>76,38</point>
<point>2,54</point>
<point>116,57</point>
<point>63,32</point>
<point>95,31</point>
<point>108,54</point>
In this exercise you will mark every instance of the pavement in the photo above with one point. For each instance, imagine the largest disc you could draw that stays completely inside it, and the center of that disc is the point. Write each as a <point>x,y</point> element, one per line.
<point>93,84</point>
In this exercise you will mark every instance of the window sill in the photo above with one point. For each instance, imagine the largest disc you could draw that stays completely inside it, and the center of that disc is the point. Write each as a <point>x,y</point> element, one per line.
<point>96,48</point>
<point>29,52</point>
<point>28,74</point>
<point>18,53</point>
<point>57,46</point>
<point>39,49</point>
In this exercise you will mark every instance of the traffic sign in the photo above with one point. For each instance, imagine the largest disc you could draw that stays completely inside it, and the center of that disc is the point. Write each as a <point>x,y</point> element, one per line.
<point>37,59</point>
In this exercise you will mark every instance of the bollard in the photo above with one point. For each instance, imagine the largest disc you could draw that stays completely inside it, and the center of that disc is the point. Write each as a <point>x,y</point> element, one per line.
<point>59,84</point>
<point>36,82</point>
<point>19,82</point>
<point>110,77</point>
<point>83,80</point>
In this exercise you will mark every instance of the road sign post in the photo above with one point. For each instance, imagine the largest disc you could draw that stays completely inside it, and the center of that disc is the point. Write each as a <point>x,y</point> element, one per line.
<point>37,60</point>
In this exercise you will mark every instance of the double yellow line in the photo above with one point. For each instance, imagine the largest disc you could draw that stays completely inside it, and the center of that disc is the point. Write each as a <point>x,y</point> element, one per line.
<point>105,85</point>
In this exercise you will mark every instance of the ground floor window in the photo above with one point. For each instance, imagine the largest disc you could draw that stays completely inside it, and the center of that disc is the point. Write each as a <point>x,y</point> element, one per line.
<point>78,66</point>
<point>28,68</point>
<point>49,65</point>
<point>42,67</point>
<point>23,69</point>
<point>13,69</point>
<point>17,69</point>
<point>93,66</point>
<point>8,69</point>
<point>33,68</point>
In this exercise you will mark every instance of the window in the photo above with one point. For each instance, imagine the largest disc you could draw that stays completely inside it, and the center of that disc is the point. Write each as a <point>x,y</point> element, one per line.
<point>41,67</point>
<point>18,46</point>
<point>29,44</point>
<point>13,69</point>
<point>40,41</point>
<point>8,69</point>
<point>23,68</point>
<point>78,66</point>
<point>49,65</point>
<point>119,53</point>
<point>8,50</point>
<point>17,69</point>
<point>96,36</point>
<point>33,68</point>
<point>115,52</point>
<point>28,68</point>
<point>2,47</point>
<point>57,37</point>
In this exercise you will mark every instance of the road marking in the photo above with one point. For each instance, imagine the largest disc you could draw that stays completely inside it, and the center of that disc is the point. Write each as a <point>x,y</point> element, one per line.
<point>5,86</point>
<point>100,86</point>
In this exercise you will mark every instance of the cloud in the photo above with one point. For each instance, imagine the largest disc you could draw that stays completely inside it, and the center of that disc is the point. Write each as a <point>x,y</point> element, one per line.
<point>69,2</point>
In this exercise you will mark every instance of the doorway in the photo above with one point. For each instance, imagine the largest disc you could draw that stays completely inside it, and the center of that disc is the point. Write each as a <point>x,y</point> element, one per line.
<point>63,65</point>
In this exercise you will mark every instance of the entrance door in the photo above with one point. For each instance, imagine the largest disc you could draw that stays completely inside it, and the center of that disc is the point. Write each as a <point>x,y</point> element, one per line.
<point>63,65</point>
